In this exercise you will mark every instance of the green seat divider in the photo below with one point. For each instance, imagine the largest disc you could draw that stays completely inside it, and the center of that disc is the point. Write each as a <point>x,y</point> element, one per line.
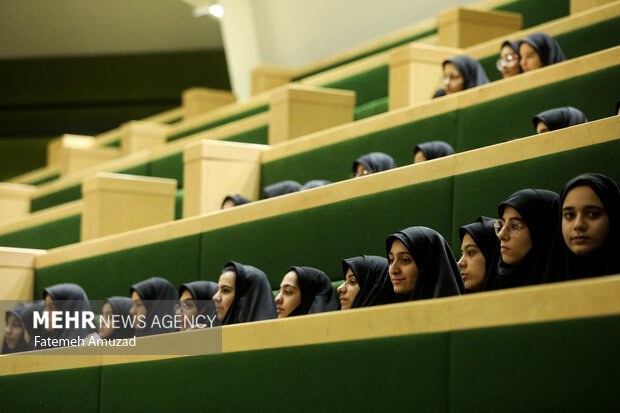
<point>259,136</point>
<point>219,122</point>
<point>105,275</point>
<point>170,166</point>
<point>576,43</point>
<point>69,194</point>
<point>562,366</point>
<point>536,12</point>
<point>511,116</point>
<point>335,162</point>
<point>372,108</point>
<point>45,236</point>
<point>143,169</point>
<point>112,144</point>
<point>320,237</point>
<point>386,374</point>
<point>72,390</point>
<point>368,86</point>
<point>178,204</point>
<point>480,192</point>
<point>44,180</point>
<point>173,121</point>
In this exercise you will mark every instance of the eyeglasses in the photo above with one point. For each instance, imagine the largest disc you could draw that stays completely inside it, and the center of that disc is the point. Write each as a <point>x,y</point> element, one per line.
<point>513,227</point>
<point>185,306</point>
<point>509,60</point>
<point>452,77</point>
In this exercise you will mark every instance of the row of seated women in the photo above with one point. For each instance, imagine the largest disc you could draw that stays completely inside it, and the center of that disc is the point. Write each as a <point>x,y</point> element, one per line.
<point>539,237</point>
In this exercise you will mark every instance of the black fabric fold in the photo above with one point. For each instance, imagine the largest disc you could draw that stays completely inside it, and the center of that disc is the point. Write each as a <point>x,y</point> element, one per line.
<point>317,294</point>
<point>254,299</point>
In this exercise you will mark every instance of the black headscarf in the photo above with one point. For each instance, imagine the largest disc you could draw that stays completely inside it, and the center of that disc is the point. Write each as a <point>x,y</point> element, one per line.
<point>315,183</point>
<point>434,149</point>
<point>546,47</point>
<point>483,233</point>
<point>236,199</point>
<point>253,296</point>
<point>159,297</point>
<point>471,70</point>
<point>281,188</point>
<point>317,294</point>
<point>202,292</point>
<point>71,298</point>
<point>371,273</point>
<point>438,273</point>
<point>375,162</point>
<point>439,93</point>
<point>28,322</point>
<point>18,312</point>
<point>513,45</point>
<point>120,308</point>
<point>559,118</point>
<point>538,208</point>
<point>568,266</point>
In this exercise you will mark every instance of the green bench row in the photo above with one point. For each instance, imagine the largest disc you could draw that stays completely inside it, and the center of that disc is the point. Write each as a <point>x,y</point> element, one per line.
<point>567,366</point>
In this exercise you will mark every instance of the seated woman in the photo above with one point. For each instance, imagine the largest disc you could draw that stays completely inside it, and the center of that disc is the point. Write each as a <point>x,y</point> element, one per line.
<point>315,183</point>
<point>527,223</point>
<point>243,295</point>
<point>509,59</point>
<point>558,118</point>
<point>479,246</point>
<point>114,315</point>
<point>153,306</point>
<point>372,163</point>
<point>16,337</point>
<point>539,50</point>
<point>196,307</point>
<point>281,188</point>
<point>66,298</point>
<point>422,265</point>
<point>431,150</point>
<point>366,282</point>
<point>461,73</point>
<point>305,290</point>
<point>28,322</point>
<point>232,201</point>
<point>590,241</point>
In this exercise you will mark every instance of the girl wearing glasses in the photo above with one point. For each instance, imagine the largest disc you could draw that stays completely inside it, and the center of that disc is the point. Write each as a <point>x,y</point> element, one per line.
<point>196,308</point>
<point>372,163</point>
<point>461,73</point>
<point>528,221</point>
<point>509,59</point>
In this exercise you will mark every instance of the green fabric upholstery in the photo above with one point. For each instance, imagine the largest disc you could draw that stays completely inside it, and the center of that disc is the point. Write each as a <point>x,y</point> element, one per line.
<point>536,12</point>
<point>170,166</point>
<point>320,237</point>
<point>576,43</point>
<point>372,108</point>
<point>178,204</point>
<point>335,162</point>
<point>45,180</point>
<point>112,144</point>
<point>565,366</point>
<point>479,193</point>
<point>368,86</point>
<point>74,390</point>
<point>259,136</point>
<point>510,117</point>
<point>259,381</point>
<point>69,194</point>
<point>142,170</point>
<point>45,236</point>
<point>219,122</point>
<point>102,276</point>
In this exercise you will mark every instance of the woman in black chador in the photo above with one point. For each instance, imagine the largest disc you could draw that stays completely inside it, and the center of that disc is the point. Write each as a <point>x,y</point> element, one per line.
<point>461,73</point>
<point>153,306</point>
<point>431,150</point>
<point>243,295</point>
<point>589,240</point>
<point>232,201</point>
<point>558,118</point>
<point>305,290</point>
<point>366,282</point>
<point>372,163</point>
<point>422,265</point>
<point>538,50</point>
<point>115,318</point>
<point>526,227</point>
<point>67,298</point>
<point>16,337</point>
<point>479,247</point>
<point>196,304</point>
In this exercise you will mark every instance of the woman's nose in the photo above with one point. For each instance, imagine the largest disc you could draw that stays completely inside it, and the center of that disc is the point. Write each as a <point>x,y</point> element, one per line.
<point>341,289</point>
<point>279,298</point>
<point>461,263</point>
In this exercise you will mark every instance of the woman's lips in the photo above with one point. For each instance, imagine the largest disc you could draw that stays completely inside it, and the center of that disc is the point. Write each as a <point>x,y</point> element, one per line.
<point>397,280</point>
<point>464,275</point>
<point>504,249</point>
<point>580,238</point>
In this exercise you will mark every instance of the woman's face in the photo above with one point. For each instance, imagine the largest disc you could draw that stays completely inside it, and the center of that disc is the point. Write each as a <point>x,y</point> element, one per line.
<point>348,290</point>
<point>403,269</point>
<point>514,236</point>
<point>472,264</point>
<point>585,223</point>
<point>361,170</point>
<point>541,127</point>
<point>187,310</point>
<point>225,294</point>
<point>529,58</point>
<point>105,324</point>
<point>289,297</point>
<point>452,79</point>
<point>419,157</point>
<point>49,307</point>
<point>509,62</point>
<point>228,204</point>
<point>13,332</point>
<point>138,309</point>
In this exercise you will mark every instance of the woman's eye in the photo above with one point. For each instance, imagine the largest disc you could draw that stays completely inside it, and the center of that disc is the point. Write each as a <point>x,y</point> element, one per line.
<point>594,214</point>
<point>569,216</point>
<point>515,227</point>
<point>390,261</point>
<point>471,253</point>
<point>353,282</point>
